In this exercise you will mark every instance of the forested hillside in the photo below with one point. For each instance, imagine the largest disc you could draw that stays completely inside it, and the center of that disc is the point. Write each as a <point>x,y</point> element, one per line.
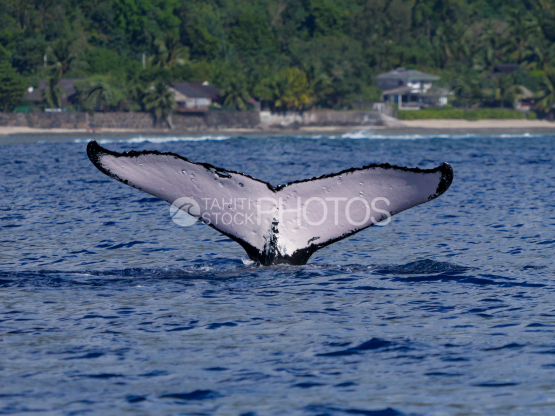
<point>294,53</point>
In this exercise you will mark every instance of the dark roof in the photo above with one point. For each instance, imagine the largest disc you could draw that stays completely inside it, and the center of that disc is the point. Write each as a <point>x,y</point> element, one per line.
<point>506,68</point>
<point>196,89</point>
<point>68,85</point>
<point>407,75</point>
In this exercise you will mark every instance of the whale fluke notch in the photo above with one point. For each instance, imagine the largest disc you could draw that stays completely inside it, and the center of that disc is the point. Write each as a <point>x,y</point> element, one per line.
<point>278,224</point>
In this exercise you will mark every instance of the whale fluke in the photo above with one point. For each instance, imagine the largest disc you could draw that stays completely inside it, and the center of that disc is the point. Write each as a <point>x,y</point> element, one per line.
<point>277,224</point>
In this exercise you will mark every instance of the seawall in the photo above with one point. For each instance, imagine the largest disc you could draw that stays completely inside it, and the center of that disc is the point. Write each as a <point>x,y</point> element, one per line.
<point>195,121</point>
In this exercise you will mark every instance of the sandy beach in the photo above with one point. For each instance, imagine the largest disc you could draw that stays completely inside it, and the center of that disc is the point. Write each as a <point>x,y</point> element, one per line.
<point>416,125</point>
<point>478,124</point>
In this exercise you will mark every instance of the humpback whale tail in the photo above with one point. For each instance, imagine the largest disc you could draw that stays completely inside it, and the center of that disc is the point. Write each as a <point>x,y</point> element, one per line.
<point>277,224</point>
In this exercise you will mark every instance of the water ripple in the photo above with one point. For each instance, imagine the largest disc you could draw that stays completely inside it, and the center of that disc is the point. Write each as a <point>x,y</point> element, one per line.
<point>110,307</point>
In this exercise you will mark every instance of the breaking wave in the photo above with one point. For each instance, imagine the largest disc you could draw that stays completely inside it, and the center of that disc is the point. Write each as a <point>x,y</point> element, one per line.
<point>369,134</point>
<point>155,139</point>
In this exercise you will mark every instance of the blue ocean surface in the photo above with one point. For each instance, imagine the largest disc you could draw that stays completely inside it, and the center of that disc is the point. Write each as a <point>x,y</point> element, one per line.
<point>109,307</point>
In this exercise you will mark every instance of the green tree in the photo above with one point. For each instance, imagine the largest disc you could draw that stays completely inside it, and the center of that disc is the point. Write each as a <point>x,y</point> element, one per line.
<point>161,102</point>
<point>236,94</point>
<point>202,30</point>
<point>137,93</point>
<point>519,39</point>
<point>287,90</point>
<point>422,15</point>
<point>506,90</point>
<point>64,56</point>
<point>12,86</point>
<point>546,95</point>
<point>318,82</point>
<point>96,94</point>
<point>52,93</point>
<point>169,51</point>
<point>132,17</point>
<point>102,61</point>
<point>324,18</point>
<point>250,34</point>
<point>204,46</point>
<point>489,46</point>
<point>461,41</point>
<point>442,47</point>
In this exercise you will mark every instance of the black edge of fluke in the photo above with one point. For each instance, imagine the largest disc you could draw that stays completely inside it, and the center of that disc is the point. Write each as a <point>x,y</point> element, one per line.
<point>446,179</point>
<point>94,151</point>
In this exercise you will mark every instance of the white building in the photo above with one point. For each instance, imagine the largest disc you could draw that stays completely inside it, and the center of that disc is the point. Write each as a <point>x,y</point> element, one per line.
<point>411,89</point>
<point>194,96</point>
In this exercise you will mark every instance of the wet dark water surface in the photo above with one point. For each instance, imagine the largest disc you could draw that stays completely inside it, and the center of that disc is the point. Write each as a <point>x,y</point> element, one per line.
<point>109,307</point>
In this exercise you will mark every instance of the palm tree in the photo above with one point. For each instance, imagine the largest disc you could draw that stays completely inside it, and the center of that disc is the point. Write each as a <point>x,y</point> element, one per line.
<point>161,101</point>
<point>519,36</point>
<point>442,50</point>
<point>137,94</point>
<point>296,93</point>
<point>169,51</point>
<point>227,53</point>
<point>96,94</point>
<point>65,56</point>
<point>546,96</point>
<point>461,40</point>
<point>488,49</point>
<point>538,50</point>
<point>287,90</point>
<point>318,82</point>
<point>52,93</point>
<point>422,13</point>
<point>535,57</point>
<point>543,14</point>
<point>12,86</point>
<point>506,89</point>
<point>236,93</point>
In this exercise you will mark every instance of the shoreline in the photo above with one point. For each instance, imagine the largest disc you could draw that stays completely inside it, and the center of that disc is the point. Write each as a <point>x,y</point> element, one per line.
<point>12,134</point>
<point>447,124</point>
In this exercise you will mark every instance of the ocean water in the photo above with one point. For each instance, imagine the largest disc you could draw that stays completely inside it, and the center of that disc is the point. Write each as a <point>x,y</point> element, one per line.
<point>109,307</point>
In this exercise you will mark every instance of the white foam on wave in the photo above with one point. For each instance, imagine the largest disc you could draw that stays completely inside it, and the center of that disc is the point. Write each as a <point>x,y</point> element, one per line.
<point>159,139</point>
<point>368,134</point>
<point>364,134</point>
<point>527,135</point>
<point>176,139</point>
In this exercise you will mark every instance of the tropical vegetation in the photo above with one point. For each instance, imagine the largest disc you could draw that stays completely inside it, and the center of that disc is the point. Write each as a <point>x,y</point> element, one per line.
<point>460,114</point>
<point>288,54</point>
<point>160,101</point>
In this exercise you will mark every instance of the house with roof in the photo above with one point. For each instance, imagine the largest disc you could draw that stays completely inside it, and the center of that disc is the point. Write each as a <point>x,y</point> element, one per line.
<point>524,99</point>
<point>194,96</point>
<point>70,93</point>
<point>411,89</point>
<point>501,70</point>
